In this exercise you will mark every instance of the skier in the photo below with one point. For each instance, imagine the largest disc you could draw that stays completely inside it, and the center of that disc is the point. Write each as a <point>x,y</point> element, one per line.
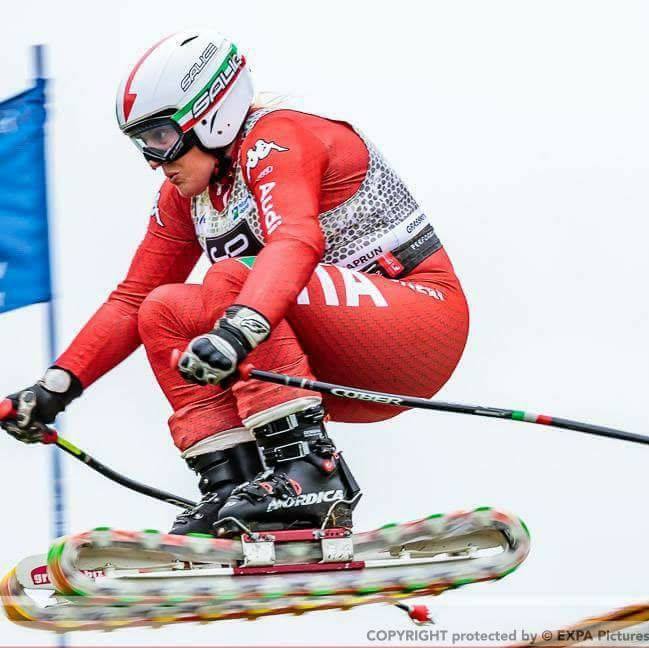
<point>324,265</point>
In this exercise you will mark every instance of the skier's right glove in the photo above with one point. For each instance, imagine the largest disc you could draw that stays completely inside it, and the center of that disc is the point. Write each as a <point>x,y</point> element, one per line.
<point>41,403</point>
<point>212,358</point>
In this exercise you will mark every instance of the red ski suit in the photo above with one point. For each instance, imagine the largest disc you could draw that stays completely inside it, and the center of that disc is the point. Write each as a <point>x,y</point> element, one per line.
<point>303,190</point>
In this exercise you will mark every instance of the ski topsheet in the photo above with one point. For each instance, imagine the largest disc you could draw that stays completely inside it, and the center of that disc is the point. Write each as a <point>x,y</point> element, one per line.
<point>105,579</point>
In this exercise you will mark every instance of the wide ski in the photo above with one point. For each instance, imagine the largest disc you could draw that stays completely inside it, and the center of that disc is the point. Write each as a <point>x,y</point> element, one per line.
<point>106,579</point>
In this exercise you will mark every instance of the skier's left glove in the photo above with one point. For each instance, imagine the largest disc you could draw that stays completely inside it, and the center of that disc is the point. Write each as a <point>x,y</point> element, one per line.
<point>41,403</point>
<point>213,357</point>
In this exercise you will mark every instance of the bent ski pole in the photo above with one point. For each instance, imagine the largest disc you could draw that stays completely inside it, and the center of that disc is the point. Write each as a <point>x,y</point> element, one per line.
<point>51,437</point>
<point>397,400</point>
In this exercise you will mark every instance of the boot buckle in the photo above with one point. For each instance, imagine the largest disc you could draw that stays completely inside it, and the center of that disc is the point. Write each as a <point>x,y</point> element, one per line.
<point>287,452</point>
<point>280,426</point>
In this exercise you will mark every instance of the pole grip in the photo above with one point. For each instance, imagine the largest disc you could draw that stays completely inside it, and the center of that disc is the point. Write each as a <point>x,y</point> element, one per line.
<point>7,410</point>
<point>245,370</point>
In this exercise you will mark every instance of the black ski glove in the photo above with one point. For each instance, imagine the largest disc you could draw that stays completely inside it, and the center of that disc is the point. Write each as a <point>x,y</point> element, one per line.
<point>41,403</point>
<point>212,358</point>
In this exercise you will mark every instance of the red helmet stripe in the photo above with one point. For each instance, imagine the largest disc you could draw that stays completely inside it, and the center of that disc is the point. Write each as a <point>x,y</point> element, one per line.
<point>129,97</point>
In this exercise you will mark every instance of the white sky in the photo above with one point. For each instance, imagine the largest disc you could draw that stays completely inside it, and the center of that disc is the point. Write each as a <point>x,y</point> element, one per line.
<point>522,127</point>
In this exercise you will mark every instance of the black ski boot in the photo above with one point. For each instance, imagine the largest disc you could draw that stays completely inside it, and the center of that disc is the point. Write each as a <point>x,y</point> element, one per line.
<point>220,472</point>
<point>305,477</point>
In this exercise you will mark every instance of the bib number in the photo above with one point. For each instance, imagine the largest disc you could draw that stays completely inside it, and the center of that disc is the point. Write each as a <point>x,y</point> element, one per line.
<point>239,241</point>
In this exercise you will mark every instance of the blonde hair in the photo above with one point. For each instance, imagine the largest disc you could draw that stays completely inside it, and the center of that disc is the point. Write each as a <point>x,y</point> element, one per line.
<point>267,99</point>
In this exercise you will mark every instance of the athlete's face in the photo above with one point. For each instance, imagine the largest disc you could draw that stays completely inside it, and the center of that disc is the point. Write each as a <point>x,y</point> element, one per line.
<point>191,173</point>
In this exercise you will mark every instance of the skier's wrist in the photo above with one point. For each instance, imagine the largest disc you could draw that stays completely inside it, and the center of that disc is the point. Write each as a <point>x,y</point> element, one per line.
<point>62,382</point>
<point>246,325</point>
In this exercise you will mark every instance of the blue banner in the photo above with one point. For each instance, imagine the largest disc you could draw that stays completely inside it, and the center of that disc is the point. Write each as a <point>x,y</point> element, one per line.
<point>24,240</point>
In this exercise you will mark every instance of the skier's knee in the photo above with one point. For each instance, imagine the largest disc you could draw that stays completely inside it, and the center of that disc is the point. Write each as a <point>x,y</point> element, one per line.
<point>151,313</point>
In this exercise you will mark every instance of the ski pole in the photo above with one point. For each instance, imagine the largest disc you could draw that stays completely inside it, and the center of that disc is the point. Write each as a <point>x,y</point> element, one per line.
<point>51,437</point>
<point>248,371</point>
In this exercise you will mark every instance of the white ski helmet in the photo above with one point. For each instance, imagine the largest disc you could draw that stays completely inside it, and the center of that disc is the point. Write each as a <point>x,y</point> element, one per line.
<point>191,88</point>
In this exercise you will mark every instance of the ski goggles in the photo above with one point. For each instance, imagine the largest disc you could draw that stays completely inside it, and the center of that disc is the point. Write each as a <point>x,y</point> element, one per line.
<point>161,140</point>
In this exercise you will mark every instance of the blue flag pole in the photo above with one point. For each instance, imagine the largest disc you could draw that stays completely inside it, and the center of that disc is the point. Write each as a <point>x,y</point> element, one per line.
<point>57,497</point>
<point>58,489</point>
